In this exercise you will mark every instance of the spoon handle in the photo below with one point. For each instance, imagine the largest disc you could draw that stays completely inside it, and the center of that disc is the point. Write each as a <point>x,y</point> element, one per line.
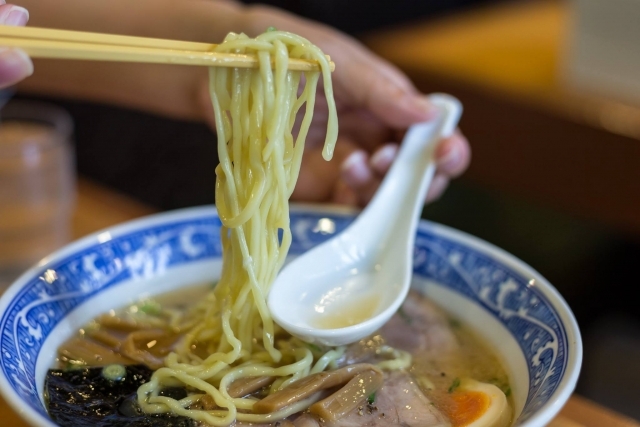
<point>452,109</point>
<point>400,198</point>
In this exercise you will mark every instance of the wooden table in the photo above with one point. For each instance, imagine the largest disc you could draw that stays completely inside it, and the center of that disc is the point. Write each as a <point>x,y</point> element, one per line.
<point>98,207</point>
<point>534,134</point>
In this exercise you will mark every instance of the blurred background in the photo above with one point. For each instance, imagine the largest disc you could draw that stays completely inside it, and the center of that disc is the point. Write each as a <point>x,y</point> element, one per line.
<point>551,91</point>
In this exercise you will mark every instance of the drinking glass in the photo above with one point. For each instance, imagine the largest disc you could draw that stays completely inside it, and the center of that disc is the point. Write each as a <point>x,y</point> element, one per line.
<point>37,184</point>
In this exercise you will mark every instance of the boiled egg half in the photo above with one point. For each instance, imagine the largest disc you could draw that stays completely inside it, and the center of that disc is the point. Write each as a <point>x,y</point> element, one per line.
<point>477,404</point>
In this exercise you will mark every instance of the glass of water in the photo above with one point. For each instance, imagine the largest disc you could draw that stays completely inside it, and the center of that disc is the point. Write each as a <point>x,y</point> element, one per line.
<point>37,184</point>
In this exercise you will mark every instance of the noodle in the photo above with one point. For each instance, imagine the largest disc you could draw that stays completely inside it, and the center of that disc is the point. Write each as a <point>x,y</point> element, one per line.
<point>255,113</point>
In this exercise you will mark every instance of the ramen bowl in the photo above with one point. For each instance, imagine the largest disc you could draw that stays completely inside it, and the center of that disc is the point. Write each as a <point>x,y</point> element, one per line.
<point>512,307</point>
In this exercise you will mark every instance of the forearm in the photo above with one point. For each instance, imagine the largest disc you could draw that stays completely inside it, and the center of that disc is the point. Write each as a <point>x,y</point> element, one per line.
<point>165,89</point>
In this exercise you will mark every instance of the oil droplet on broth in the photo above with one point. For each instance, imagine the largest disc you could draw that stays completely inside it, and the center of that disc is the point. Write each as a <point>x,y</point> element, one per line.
<point>338,316</point>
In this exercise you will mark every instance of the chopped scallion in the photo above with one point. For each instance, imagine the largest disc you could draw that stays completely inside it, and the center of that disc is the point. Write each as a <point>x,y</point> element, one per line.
<point>114,372</point>
<point>314,347</point>
<point>454,385</point>
<point>151,308</point>
<point>454,323</point>
<point>371,398</point>
<point>404,316</point>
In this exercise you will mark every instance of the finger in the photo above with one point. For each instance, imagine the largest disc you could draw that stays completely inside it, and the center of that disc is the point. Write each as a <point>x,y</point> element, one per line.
<point>382,159</point>
<point>357,174</point>
<point>13,15</point>
<point>439,184</point>
<point>453,155</point>
<point>15,65</point>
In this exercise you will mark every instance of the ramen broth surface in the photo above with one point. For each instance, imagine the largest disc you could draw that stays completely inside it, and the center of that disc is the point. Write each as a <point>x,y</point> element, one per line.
<point>443,350</point>
<point>471,360</point>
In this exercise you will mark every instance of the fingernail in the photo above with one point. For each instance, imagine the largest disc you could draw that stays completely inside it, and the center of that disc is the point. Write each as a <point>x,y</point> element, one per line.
<point>355,169</point>
<point>382,158</point>
<point>14,15</point>
<point>451,157</point>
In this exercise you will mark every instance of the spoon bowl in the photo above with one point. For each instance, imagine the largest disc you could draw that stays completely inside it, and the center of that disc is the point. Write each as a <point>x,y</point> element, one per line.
<point>348,287</point>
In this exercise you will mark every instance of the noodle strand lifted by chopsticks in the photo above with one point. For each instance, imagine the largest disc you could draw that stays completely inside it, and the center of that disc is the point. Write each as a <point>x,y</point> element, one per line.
<point>255,113</point>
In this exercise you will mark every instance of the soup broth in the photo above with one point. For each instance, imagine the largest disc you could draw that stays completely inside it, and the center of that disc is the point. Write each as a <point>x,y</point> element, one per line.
<point>434,370</point>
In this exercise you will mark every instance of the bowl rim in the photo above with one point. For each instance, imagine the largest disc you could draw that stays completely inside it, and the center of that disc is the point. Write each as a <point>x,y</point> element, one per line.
<point>543,415</point>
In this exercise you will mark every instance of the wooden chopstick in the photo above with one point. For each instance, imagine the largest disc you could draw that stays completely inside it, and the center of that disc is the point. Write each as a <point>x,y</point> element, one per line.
<point>64,44</point>
<point>101,38</point>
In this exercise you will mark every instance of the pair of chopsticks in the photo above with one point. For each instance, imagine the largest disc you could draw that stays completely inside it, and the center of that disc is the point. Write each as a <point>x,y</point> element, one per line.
<point>63,44</point>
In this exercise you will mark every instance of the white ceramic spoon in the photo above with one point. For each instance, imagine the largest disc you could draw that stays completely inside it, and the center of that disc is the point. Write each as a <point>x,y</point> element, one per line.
<point>346,288</point>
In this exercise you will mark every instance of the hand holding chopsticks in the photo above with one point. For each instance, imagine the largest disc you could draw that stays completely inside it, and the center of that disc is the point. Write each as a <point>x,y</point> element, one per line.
<point>63,44</point>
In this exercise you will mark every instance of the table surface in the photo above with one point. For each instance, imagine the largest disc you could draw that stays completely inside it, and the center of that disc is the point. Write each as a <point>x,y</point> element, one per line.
<point>98,207</point>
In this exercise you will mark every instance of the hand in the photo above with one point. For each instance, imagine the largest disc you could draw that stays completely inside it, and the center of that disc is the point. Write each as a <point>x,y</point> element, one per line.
<point>15,64</point>
<point>376,104</point>
<point>365,150</point>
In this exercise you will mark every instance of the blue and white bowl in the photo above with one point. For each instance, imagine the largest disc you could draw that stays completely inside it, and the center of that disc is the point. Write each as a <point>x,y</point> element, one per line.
<point>515,309</point>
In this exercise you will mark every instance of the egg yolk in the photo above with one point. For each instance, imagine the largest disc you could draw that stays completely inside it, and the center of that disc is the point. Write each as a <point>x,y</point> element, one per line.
<point>464,407</point>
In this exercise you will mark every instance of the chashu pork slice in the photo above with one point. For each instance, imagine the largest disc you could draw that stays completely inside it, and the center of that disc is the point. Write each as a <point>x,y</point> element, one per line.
<point>398,403</point>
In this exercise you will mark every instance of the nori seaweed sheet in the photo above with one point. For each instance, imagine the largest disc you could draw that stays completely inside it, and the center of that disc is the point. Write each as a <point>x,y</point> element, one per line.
<point>84,398</point>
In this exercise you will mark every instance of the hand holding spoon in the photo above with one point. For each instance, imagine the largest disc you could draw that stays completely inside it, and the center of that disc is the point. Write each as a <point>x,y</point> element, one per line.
<point>348,287</point>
